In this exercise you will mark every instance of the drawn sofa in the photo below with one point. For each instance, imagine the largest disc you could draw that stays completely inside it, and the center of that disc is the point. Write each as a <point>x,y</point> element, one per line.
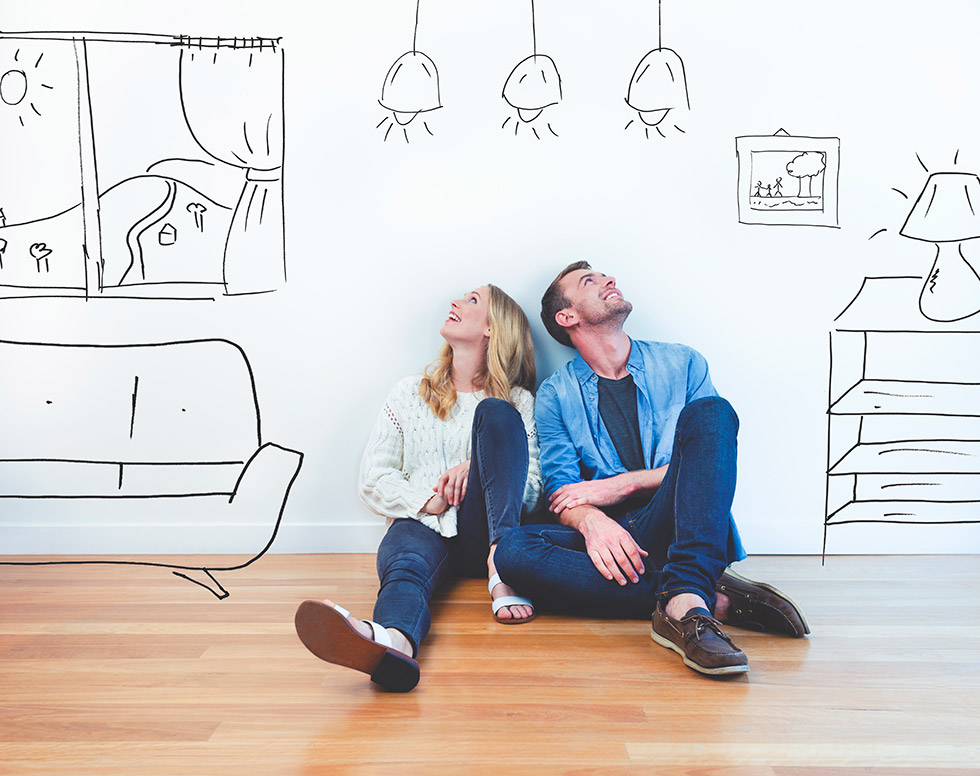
<point>135,450</point>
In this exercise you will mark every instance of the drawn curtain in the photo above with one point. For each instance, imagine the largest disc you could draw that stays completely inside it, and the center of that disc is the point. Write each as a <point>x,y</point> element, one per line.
<point>232,97</point>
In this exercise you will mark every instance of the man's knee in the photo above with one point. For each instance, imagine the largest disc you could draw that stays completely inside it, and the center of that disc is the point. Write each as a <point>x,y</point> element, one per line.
<point>709,412</point>
<point>511,549</point>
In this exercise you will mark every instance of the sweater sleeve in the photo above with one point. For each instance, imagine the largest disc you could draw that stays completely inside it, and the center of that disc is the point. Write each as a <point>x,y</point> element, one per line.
<point>524,402</point>
<point>384,487</point>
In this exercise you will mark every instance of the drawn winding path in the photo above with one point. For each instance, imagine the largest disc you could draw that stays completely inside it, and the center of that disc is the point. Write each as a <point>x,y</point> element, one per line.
<point>136,232</point>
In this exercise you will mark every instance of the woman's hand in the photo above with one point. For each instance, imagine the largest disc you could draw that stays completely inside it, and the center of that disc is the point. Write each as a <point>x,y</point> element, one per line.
<point>451,486</point>
<point>435,505</point>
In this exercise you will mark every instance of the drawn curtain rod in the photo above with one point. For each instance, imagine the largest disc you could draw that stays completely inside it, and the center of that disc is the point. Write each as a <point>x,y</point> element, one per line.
<point>185,41</point>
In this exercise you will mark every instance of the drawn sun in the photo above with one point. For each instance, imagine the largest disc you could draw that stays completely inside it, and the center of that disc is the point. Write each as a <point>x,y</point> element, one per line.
<point>20,89</point>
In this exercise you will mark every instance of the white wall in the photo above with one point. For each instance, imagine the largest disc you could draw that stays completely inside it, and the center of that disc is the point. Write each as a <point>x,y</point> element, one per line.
<point>381,235</point>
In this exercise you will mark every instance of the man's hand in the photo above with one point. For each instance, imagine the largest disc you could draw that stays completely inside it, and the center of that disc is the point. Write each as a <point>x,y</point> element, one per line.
<point>610,546</point>
<point>598,493</point>
<point>606,492</point>
<point>452,485</point>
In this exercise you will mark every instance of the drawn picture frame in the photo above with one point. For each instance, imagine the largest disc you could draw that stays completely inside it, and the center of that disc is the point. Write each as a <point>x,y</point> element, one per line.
<point>766,197</point>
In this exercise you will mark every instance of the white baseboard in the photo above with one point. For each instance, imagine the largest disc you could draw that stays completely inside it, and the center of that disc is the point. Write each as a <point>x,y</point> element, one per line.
<point>92,538</point>
<point>140,538</point>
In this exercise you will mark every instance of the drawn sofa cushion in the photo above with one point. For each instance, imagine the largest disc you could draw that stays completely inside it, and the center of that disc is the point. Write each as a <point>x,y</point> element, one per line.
<point>134,449</point>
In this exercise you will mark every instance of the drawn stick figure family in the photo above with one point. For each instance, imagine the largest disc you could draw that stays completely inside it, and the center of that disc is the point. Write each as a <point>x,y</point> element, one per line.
<point>628,448</point>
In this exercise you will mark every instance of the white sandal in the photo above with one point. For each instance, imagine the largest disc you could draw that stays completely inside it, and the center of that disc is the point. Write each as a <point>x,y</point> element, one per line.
<point>508,600</point>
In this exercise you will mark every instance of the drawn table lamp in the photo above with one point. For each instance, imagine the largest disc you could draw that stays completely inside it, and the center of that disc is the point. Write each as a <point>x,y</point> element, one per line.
<point>944,214</point>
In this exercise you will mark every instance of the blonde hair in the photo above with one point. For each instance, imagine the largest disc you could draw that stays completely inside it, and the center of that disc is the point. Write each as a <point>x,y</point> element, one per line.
<point>509,360</point>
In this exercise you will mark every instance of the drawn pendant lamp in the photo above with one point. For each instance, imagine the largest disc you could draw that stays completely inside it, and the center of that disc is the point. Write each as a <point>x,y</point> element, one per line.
<point>532,86</point>
<point>658,90</point>
<point>946,213</point>
<point>411,87</point>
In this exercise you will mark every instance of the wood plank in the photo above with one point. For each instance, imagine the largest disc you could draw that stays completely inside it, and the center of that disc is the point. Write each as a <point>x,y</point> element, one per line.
<point>123,674</point>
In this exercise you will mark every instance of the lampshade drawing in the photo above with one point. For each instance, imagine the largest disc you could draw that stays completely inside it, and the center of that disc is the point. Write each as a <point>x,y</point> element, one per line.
<point>658,86</point>
<point>411,87</point>
<point>533,85</point>
<point>946,214</point>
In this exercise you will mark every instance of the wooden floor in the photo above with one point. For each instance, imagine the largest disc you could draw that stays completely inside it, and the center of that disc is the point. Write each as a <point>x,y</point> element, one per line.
<point>125,671</point>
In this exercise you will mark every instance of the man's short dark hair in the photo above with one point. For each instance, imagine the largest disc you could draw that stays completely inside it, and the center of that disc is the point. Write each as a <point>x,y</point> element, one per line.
<point>554,301</point>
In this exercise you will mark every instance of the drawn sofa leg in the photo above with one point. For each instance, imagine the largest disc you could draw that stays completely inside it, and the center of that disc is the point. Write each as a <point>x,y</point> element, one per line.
<point>262,489</point>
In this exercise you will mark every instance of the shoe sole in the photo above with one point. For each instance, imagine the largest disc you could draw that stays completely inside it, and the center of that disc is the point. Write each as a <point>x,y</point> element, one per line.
<point>719,671</point>
<point>774,591</point>
<point>331,637</point>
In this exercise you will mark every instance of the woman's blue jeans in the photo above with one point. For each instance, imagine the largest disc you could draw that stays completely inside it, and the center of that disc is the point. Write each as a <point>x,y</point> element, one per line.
<point>413,560</point>
<point>686,527</point>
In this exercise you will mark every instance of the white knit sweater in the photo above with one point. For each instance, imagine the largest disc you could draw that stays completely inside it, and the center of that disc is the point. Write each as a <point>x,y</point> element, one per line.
<point>410,448</point>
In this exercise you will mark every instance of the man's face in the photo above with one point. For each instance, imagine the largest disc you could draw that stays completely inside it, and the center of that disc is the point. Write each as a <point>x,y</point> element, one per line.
<point>593,298</point>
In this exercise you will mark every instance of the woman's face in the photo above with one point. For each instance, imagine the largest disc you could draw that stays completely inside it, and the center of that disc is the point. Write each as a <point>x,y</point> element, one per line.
<point>468,319</point>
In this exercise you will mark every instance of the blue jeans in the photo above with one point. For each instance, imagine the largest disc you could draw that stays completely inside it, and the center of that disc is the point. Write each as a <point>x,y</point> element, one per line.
<point>686,526</point>
<point>413,560</point>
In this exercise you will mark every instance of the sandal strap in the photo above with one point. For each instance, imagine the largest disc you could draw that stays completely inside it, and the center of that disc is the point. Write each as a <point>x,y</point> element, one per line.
<point>342,610</point>
<point>509,600</point>
<point>494,581</point>
<point>380,634</point>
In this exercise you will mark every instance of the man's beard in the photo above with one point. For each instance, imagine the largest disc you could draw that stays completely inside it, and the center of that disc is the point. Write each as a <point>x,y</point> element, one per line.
<point>616,313</point>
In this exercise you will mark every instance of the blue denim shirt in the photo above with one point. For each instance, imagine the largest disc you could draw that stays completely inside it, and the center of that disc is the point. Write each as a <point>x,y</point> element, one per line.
<point>575,444</point>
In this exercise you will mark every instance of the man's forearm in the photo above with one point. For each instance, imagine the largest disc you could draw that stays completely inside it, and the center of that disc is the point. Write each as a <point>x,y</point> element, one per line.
<point>644,480</point>
<point>607,491</point>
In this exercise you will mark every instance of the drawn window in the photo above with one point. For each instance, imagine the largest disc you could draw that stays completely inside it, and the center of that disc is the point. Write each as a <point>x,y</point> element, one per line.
<point>164,183</point>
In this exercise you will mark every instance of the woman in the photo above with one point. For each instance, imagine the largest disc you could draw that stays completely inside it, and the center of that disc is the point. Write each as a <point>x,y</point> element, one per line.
<point>451,461</point>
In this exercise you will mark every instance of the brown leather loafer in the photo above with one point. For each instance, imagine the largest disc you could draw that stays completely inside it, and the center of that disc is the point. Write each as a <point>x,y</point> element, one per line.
<point>698,638</point>
<point>758,606</point>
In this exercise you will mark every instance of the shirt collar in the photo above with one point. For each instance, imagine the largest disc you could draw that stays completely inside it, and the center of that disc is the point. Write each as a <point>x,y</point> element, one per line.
<point>585,374</point>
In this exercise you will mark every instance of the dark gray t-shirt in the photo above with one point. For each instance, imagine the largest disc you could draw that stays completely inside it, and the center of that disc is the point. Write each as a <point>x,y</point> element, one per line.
<point>617,408</point>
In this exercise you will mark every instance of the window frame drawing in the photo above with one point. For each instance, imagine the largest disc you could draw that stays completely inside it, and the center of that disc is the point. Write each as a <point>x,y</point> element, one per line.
<point>251,263</point>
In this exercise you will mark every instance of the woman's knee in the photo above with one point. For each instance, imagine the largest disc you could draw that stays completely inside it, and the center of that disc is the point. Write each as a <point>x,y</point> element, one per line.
<point>410,550</point>
<point>496,411</point>
<point>406,566</point>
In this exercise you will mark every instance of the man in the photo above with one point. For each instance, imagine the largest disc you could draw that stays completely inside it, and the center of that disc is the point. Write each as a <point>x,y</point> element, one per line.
<point>638,456</point>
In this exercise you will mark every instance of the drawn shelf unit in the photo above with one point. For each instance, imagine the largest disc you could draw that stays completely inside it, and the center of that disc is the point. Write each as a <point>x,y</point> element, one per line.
<point>903,425</point>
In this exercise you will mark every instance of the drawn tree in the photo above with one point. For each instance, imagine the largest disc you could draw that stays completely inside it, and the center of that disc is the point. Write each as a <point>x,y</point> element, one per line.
<point>807,166</point>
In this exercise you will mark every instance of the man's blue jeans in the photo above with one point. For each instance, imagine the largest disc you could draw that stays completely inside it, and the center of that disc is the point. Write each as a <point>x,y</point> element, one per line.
<point>413,560</point>
<point>686,527</point>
